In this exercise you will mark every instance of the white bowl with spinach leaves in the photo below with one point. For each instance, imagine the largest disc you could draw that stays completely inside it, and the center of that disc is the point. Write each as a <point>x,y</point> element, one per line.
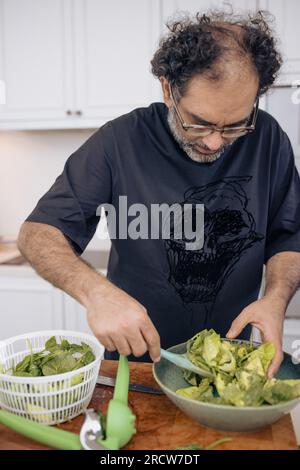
<point>49,376</point>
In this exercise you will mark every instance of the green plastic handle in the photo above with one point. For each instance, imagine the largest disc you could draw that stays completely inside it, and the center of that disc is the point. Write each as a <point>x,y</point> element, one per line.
<point>52,437</point>
<point>122,381</point>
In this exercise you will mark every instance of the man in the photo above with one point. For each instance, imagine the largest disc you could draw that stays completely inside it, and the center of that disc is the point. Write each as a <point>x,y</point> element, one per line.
<point>206,144</point>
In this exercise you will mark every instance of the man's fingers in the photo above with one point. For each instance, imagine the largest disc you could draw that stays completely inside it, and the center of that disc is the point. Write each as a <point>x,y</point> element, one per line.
<point>109,344</point>
<point>237,326</point>
<point>153,341</point>
<point>274,366</point>
<point>138,345</point>
<point>122,345</point>
<point>277,360</point>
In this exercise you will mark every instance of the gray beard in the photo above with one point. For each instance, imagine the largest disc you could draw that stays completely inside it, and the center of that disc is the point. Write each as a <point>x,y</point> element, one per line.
<point>187,146</point>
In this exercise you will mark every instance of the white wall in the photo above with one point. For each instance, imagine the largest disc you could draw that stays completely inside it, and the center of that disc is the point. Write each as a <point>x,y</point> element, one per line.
<point>29,163</point>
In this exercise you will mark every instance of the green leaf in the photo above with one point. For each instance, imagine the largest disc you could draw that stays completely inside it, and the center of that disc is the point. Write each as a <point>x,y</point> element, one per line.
<point>39,414</point>
<point>221,382</point>
<point>196,446</point>
<point>77,379</point>
<point>60,364</point>
<point>191,377</point>
<point>276,391</point>
<point>55,359</point>
<point>21,373</point>
<point>189,392</point>
<point>190,447</point>
<point>211,348</point>
<point>24,364</point>
<point>65,345</point>
<point>239,371</point>
<point>260,359</point>
<point>234,395</point>
<point>51,344</point>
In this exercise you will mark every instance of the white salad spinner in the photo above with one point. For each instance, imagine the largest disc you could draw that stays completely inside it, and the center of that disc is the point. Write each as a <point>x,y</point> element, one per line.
<point>54,398</point>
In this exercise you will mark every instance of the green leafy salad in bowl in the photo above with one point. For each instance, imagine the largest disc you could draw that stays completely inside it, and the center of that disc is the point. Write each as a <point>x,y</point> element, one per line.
<point>239,373</point>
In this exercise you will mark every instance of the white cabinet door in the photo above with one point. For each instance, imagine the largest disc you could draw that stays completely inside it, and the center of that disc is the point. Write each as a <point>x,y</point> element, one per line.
<point>75,315</point>
<point>114,43</point>
<point>287,14</point>
<point>28,303</point>
<point>193,6</point>
<point>35,61</point>
<point>279,104</point>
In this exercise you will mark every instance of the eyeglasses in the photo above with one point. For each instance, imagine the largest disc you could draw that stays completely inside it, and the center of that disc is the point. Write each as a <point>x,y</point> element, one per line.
<point>198,130</point>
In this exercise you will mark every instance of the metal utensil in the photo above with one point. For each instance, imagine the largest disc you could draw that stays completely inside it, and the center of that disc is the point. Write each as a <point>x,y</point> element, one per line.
<point>91,431</point>
<point>110,382</point>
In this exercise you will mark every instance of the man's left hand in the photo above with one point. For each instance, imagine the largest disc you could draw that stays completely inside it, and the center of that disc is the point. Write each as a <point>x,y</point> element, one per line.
<point>267,315</point>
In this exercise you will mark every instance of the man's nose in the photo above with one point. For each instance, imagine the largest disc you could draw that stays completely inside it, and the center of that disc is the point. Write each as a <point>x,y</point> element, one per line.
<point>213,141</point>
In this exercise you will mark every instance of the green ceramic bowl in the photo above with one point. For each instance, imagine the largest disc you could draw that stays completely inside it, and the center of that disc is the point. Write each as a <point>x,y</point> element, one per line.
<point>229,418</point>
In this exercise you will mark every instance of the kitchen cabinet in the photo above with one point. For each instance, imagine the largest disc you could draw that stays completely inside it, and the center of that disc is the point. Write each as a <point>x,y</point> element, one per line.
<point>75,315</point>
<point>287,14</point>
<point>279,103</point>
<point>114,43</point>
<point>75,63</point>
<point>35,63</point>
<point>80,63</point>
<point>27,302</point>
<point>193,6</point>
<point>283,100</point>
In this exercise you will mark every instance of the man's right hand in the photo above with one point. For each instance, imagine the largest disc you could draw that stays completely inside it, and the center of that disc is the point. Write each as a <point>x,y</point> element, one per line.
<point>121,323</point>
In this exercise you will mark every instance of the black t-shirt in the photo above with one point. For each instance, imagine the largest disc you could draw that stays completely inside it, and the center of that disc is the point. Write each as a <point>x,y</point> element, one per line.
<point>251,196</point>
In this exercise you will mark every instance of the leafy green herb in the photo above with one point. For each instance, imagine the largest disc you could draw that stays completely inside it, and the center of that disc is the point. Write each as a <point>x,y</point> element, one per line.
<point>196,446</point>
<point>55,358</point>
<point>239,371</point>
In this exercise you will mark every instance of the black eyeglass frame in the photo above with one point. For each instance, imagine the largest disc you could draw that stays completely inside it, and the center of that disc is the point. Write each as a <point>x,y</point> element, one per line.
<point>213,128</point>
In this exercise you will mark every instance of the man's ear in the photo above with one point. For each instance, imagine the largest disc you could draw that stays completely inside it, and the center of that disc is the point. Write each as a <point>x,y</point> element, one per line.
<point>166,91</point>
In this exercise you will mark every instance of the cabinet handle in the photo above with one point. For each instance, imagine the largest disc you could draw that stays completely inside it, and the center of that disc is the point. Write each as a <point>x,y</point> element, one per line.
<point>78,112</point>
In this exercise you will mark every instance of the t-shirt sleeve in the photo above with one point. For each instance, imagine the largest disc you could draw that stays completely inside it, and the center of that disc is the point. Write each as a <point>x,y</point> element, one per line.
<point>85,183</point>
<point>283,232</point>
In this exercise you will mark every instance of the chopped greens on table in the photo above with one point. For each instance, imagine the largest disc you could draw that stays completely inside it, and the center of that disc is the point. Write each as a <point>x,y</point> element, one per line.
<point>55,358</point>
<point>196,446</point>
<point>239,373</point>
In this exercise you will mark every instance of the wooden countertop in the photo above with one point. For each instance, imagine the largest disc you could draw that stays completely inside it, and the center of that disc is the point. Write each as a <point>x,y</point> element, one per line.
<point>161,425</point>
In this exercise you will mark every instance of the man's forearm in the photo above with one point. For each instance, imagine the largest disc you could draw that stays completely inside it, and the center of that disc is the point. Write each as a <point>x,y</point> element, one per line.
<point>51,255</point>
<point>283,276</point>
